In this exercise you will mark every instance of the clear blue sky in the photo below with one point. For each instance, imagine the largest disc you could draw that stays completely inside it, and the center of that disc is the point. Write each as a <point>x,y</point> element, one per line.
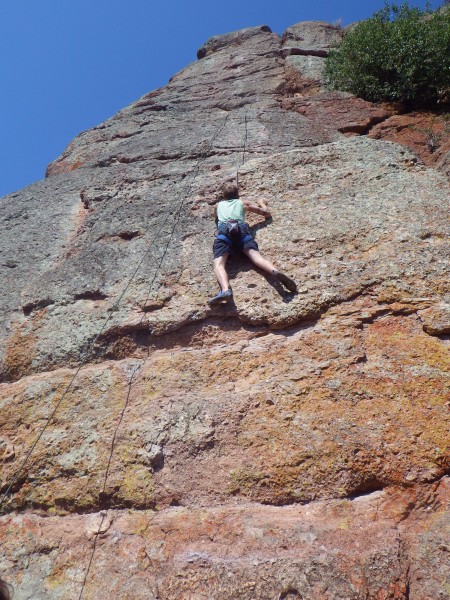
<point>67,65</point>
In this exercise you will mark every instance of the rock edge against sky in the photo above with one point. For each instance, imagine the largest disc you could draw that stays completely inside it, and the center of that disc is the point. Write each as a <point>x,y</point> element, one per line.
<point>280,447</point>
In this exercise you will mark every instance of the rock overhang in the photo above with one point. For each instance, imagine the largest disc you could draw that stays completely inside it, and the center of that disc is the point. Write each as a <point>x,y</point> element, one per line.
<point>233,39</point>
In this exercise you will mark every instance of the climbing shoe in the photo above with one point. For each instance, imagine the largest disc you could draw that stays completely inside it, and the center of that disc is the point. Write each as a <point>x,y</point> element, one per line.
<point>221,296</point>
<point>286,281</point>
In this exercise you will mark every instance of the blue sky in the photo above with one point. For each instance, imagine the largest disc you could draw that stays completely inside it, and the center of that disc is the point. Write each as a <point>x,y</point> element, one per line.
<point>67,65</point>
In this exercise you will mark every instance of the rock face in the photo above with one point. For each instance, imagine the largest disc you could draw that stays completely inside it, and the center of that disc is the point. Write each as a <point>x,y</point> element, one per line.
<point>282,446</point>
<point>426,133</point>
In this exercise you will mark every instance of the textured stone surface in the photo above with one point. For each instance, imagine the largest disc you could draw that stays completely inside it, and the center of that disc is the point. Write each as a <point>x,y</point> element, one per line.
<point>335,110</point>
<point>304,47</point>
<point>283,446</point>
<point>436,320</point>
<point>303,74</point>
<point>426,133</point>
<point>371,547</point>
<point>360,233</point>
<point>229,40</point>
<point>312,35</point>
<point>351,403</point>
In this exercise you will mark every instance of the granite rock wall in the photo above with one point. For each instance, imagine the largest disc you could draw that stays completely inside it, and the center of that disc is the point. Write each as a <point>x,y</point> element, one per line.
<point>283,446</point>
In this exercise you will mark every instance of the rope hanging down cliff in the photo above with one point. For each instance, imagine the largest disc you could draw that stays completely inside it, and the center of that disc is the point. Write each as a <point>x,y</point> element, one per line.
<point>244,148</point>
<point>114,308</point>
<point>135,370</point>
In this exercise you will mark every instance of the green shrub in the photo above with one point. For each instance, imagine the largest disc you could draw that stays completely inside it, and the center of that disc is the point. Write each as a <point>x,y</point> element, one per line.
<point>401,54</point>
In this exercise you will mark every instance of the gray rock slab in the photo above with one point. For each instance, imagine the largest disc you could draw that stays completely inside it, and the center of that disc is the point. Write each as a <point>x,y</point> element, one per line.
<point>308,67</point>
<point>312,35</point>
<point>234,38</point>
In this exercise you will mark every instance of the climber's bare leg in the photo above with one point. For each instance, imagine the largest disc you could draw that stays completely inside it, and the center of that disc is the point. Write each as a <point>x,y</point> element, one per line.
<point>259,261</point>
<point>221,272</point>
<point>268,267</point>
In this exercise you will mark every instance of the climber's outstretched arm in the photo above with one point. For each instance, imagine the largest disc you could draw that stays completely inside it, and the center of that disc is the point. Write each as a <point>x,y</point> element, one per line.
<point>259,208</point>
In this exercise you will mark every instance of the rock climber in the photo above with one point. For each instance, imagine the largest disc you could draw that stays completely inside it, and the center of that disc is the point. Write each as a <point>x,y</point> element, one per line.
<point>233,232</point>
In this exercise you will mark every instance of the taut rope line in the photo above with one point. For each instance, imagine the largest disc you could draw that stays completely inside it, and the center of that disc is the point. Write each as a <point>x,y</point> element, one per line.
<point>130,382</point>
<point>111,311</point>
<point>244,147</point>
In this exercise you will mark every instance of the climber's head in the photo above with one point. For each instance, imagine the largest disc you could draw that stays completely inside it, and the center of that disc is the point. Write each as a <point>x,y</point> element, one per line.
<point>5,593</point>
<point>230,191</point>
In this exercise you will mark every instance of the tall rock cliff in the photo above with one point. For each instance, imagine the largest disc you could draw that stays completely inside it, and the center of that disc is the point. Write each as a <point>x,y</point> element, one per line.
<point>282,446</point>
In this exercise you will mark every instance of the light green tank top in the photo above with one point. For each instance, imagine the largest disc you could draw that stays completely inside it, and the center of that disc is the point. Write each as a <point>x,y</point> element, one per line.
<point>230,209</point>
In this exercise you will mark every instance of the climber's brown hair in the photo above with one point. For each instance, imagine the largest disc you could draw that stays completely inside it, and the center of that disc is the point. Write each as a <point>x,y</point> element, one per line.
<point>5,593</point>
<point>230,191</point>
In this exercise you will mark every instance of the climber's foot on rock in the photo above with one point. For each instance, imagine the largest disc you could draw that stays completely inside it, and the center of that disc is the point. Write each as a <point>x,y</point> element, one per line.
<point>286,281</point>
<point>221,296</point>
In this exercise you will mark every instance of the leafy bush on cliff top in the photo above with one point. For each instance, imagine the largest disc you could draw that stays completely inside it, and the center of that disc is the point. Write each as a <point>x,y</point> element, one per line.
<point>401,54</point>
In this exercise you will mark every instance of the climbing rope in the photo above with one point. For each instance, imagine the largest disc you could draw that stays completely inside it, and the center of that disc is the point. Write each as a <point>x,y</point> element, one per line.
<point>114,308</point>
<point>105,480</point>
<point>244,148</point>
<point>130,382</point>
<point>84,358</point>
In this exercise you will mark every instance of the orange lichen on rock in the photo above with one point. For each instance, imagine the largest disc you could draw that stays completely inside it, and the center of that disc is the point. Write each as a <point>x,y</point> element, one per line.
<point>20,349</point>
<point>426,133</point>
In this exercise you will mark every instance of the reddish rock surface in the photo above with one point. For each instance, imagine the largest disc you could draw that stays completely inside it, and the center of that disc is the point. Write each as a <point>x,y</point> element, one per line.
<point>280,447</point>
<point>335,110</point>
<point>426,133</point>
<point>375,546</point>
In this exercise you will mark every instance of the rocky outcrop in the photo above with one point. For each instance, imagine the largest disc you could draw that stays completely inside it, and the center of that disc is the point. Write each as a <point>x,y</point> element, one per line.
<point>282,446</point>
<point>427,133</point>
<point>312,37</point>
<point>304,47</point>
<point>366,547</point>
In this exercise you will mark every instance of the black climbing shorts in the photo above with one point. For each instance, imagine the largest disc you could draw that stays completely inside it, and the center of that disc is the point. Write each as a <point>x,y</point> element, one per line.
<point>222,247</point>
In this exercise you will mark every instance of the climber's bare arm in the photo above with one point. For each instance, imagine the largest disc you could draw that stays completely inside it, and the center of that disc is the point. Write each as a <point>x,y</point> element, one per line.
<point>259,208</point>
<point>263,204</point>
